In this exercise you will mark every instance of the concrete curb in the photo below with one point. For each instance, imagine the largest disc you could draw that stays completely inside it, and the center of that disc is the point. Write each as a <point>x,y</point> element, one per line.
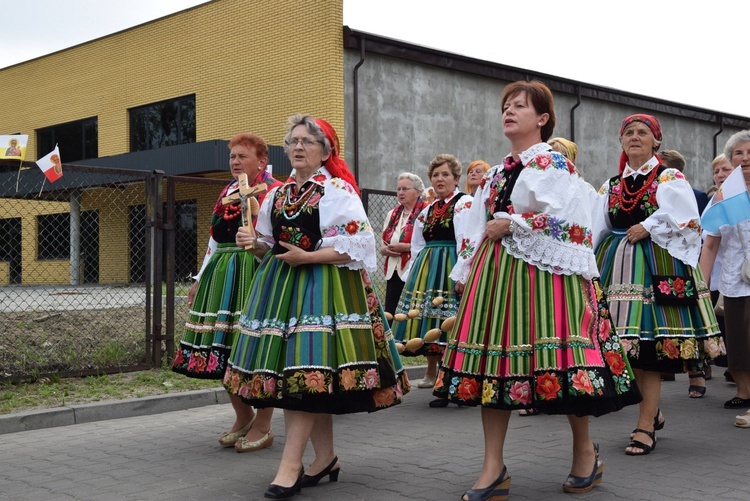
<point>132,407</point>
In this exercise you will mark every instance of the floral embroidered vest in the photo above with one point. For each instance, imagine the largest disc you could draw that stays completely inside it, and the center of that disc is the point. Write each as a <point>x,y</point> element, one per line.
<point>296,217</point>
<point>438,225</point>
<point>644,208</point>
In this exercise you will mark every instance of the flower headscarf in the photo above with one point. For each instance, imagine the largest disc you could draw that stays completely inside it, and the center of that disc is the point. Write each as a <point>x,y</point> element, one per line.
<point>335,164</point>
<point>649,121</point>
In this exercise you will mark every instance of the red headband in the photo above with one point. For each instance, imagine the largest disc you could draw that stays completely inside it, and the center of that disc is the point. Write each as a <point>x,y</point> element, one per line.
<point>335,164</point>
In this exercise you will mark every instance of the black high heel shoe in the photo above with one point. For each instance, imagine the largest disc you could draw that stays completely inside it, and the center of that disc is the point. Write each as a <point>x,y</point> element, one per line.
<point>333,475</point>
<point>278,492</point>
<point>497,491</point>
<point>585,484</point>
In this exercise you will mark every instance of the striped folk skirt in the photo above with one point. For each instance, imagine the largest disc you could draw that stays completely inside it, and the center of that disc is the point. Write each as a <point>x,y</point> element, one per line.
<point>528,338</point>
<point>213,322</point>
<point>428,290</point>
<point>665,338</point>
<point>315,339</point>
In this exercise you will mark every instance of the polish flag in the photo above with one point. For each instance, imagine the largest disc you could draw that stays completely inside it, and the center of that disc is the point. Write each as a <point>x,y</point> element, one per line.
<point>51,165</point>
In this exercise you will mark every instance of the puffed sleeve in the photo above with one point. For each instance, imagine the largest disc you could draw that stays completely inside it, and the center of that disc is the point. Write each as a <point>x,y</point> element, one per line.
<point>473,225</point>
<point>345,226</point>
<point>417,238</point>
<point>263,228</point>
<point>552,210</point>
<point>460,219</point>
<point>601,226</point>
<point>675,226</point>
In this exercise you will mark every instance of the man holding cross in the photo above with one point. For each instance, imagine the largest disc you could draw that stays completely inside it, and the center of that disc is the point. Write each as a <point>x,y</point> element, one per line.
<point>218,297</point>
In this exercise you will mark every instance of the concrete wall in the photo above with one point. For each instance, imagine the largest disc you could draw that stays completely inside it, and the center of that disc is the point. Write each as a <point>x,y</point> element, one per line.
<point>410,112</point>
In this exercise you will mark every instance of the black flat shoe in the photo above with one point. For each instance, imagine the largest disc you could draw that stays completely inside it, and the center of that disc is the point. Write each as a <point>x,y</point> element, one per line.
<point>439,402</point>
<point>333,475</point>
<point>497,491</point>
<point>585,484</point>
<point>278,492</point>
<point>736,403</point>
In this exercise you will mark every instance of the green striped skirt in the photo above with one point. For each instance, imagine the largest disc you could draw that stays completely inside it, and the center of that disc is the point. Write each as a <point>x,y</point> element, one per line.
<point>315,339</point>
<point>665,338</point>
<point>213,322</point>
<point>528,338</point>
<point>428,279</point>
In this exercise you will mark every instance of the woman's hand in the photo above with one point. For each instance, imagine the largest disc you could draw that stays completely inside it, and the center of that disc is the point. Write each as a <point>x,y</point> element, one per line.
<point>191,293</point>
<point>294,256</point>
<point>497,229</point>
<point>244,238</point>
<point>459,287</point>
<point>399,248</point>
<point>386,251</point>
<point>635,233</point>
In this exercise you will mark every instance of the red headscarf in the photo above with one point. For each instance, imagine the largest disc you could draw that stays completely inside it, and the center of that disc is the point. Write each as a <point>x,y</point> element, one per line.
<point>335,164</point>
<point>649,121</point>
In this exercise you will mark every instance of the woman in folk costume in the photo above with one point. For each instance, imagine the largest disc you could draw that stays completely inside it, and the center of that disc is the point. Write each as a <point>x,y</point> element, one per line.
<point>314,340</point>
<point>397,231</point>
<point>648,226</point>
<point>218,296</point>
<point>532,329</point>
<point>428,298</point>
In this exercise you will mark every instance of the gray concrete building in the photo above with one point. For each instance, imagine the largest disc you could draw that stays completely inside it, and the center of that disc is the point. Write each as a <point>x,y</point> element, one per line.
<point>406,103</point>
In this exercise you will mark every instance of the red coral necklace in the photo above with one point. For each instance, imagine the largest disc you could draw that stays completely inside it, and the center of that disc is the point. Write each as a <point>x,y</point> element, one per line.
<point>635,197</point>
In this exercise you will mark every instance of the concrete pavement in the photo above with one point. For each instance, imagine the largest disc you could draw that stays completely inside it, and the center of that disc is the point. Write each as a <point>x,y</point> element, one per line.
<point>165,448</point>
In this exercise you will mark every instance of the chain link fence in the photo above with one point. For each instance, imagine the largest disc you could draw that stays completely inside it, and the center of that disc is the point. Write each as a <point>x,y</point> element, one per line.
<point>94,268</point>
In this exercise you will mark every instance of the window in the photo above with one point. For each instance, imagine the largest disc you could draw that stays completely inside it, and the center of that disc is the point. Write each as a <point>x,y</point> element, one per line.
<point>77,140</point>
<point>53,236</point>
<point>161,124</point>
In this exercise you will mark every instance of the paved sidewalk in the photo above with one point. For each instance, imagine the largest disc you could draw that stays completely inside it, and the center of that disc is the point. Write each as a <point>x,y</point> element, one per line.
<point>408,452</point>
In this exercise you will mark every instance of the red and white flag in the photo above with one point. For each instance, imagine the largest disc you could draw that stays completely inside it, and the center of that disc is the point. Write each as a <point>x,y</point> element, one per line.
<point>51,165</point>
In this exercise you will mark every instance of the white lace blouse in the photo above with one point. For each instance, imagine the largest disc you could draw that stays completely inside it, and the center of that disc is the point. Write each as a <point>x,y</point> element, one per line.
<point>552,207</point>
<point>674,226</point>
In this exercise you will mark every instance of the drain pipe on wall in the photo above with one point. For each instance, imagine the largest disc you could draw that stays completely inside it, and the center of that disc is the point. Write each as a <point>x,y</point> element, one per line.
<point>573,114</point>
<point>356,107</point>
<point>721,129</point>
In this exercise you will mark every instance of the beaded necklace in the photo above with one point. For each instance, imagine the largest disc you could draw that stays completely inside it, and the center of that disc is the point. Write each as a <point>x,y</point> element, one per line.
<point>634,198</point>
<point>292,209</point>
<point>440,208</point>
<point>231,211</point>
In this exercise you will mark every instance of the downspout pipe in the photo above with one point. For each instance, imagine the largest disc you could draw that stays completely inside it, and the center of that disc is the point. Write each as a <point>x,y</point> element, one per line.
<point>356,107</point>
<point>721,129</point>
<point>573,114</point>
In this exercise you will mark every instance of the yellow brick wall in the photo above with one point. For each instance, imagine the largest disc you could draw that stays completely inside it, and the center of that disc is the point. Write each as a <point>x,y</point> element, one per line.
<point>250,64</point>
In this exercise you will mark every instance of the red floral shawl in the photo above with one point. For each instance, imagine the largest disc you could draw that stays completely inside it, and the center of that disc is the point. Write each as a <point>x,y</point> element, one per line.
<point>406,231</point>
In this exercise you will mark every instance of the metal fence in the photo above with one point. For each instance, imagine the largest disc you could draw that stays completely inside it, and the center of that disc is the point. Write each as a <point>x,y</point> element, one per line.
<point>94,268</point>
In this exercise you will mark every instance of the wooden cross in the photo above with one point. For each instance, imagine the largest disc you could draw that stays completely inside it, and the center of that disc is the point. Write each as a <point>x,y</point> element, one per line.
<point>249,203</point>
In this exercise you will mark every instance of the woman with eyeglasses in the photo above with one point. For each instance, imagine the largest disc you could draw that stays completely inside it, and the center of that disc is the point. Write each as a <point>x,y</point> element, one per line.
<point>397,232</point>
<point>429,298</point>
<point>314,339</point>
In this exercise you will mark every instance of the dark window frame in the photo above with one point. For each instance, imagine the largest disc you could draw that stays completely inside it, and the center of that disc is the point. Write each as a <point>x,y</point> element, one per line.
<point>163,123</point>
<point>74,144</point>
<point>53,237</point>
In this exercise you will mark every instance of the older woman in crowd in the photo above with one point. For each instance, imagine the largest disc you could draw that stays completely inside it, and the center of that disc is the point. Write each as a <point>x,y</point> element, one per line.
<point>728,235</point>
<point>314,339</point>
<point>397,232</point>
<point>428,298</point>
<point>219,294</point>
<point>532,330</point>
<point>474,173</point>
<point>648,230</point>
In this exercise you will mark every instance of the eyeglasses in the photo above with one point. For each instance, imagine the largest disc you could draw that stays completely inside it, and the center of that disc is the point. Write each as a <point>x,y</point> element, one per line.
<point>306,142</point>
<point>401,188</point>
